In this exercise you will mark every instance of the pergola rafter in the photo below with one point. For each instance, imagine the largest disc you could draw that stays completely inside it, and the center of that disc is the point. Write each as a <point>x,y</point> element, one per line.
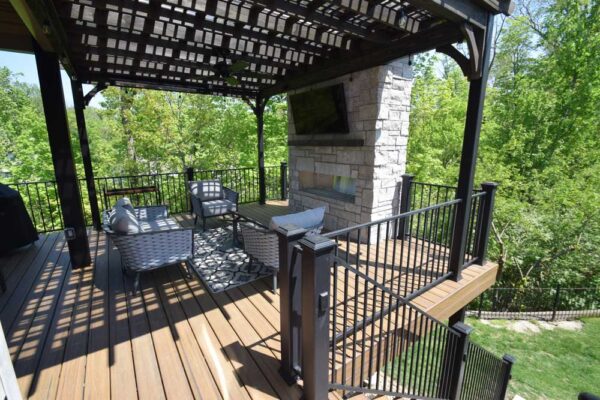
<point>192,44</point>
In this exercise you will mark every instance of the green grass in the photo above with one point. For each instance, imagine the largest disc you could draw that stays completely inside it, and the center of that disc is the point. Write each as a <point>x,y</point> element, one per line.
<point>552,364</point>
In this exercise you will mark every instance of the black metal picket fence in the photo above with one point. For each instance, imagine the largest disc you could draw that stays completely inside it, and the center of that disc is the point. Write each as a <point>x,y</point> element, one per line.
<point>550,304</point>
<point>43,204</point>
<point>360,332</point>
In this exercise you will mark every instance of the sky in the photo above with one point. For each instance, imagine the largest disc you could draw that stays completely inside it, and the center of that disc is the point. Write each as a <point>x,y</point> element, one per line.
<point>24,64</point>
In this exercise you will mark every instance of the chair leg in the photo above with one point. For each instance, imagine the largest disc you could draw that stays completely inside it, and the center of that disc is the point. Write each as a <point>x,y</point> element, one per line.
<point>275,283</point>
<point>136,283</point>
<point>203,223</point>
<point>195,220</point>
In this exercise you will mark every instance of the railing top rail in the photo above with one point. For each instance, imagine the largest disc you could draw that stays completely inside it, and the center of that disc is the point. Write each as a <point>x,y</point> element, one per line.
<point>440,185</point>
<point>390,218</point>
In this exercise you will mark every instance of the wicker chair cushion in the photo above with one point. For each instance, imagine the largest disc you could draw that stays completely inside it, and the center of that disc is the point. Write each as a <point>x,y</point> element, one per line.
<point>207,190</point>
<point>308,219</point>
<point>214,208</point>
<point>123,221</point>
<point>162,224</point>
<point>126,204</point>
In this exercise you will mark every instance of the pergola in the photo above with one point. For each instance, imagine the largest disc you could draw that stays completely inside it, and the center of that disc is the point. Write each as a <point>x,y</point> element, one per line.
<point>246,49</point>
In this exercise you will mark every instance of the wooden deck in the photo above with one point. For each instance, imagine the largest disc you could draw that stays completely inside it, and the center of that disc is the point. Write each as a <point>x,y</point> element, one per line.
<point>83,334</point>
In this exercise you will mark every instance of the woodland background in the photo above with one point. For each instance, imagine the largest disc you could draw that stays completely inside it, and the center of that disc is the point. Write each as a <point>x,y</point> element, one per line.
<point>540,138</point>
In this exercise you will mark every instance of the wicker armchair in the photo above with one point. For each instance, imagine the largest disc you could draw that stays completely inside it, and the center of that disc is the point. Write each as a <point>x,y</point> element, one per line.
<point>160,242</point>
<point>261,242</point>
<point>211,199</point>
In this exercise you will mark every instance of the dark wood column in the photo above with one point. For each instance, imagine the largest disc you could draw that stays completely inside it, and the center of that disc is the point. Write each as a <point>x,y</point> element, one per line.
<point>62,157</point>
<point>86,157</point>
<point>259,109</point>
<point>468,160</point>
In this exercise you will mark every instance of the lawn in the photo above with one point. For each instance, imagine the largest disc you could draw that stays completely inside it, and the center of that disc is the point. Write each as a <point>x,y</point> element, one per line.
<point>551,364</point>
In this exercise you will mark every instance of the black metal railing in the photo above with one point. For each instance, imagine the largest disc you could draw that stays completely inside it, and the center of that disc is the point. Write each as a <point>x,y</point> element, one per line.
<point>382,344</point>
<point>418,259</point>
<point>43,204</point>
<point>418,195</point>
<point>360,335</point>
<point>537,303</point>
<point>486,376</point>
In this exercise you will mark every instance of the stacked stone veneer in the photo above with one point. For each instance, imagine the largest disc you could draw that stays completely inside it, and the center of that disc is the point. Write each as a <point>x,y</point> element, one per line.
<point>378,104</point>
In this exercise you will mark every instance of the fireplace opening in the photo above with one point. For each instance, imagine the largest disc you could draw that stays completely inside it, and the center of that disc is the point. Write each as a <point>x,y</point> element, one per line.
<point>341,188</point>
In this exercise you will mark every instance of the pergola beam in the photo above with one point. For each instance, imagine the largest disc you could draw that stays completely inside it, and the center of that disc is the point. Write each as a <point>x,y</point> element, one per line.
<point>445,33</point>
<point>43,23</point>
<point>161,84</point>
<point>458,11</point>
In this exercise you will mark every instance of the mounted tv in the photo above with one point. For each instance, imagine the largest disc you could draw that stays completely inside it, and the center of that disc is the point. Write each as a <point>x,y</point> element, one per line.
<point>320,111</point>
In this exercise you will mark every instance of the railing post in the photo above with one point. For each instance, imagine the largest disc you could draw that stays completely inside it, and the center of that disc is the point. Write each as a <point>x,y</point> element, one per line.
<point>485,220</point>
<point>407,180</point>
<point>480,308</point>
<point>283,177</point>
<point>457,364</point>
<point>556,302</point>
<point>317,257</point>
<point>506,375</point>
<point>289,300</point>
<point>189,173</point>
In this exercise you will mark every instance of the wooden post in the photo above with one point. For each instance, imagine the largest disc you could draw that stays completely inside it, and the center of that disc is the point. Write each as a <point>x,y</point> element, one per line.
<point>86,157</point>
<point>259,111</point>
<point>289,300</point>
<point>485,220</point>
<point>404,204</point>
<point>469,158</point>
<point>283,178</point>
<point>189,173</point>
<point>62,156</point>
<point>317,258</point>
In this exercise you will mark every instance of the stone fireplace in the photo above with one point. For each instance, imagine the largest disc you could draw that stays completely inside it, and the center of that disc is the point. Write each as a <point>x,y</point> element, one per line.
<point>357,175</point>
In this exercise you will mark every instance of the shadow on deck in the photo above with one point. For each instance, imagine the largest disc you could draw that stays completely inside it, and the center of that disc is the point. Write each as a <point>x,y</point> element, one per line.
<point>83,333</point>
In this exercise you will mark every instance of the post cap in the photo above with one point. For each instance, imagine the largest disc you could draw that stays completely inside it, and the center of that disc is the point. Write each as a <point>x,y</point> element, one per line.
<point>490,185</point>
<point>317,242</point>
<point>289,230</point>
<point>462,328</point>
<point>509,359</point>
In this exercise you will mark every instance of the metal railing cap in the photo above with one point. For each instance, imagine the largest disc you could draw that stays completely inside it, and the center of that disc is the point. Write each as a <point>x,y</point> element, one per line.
<point>317,242</point>
<point>288,230</point>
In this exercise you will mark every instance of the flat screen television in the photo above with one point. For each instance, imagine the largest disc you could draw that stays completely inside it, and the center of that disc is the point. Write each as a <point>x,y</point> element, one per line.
<point>320,111</point>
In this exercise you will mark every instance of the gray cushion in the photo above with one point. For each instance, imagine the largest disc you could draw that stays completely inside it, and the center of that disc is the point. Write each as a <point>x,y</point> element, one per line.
<point>126,204</point>
<point>207,190</point>
<point>161,224</point>
<point>217,207</point>
<point>308,219</point>
<point>123,221</point>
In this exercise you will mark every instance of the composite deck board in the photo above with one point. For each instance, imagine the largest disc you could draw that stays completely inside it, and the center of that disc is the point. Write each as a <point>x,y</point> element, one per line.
<point>84,333</point>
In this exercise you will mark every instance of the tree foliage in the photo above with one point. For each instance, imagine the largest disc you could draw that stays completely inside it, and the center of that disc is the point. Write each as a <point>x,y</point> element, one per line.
<point>540,141</point>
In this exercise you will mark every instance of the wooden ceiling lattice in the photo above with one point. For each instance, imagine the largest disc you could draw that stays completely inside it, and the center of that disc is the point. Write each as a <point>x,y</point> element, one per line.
<point>249,48</point>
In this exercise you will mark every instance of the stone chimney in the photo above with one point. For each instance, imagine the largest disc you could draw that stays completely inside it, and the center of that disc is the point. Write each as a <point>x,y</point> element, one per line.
<point>356,175</point>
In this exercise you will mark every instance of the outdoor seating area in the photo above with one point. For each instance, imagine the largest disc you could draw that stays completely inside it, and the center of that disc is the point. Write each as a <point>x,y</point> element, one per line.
<point>75,330</point>
<point>366,277</point>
